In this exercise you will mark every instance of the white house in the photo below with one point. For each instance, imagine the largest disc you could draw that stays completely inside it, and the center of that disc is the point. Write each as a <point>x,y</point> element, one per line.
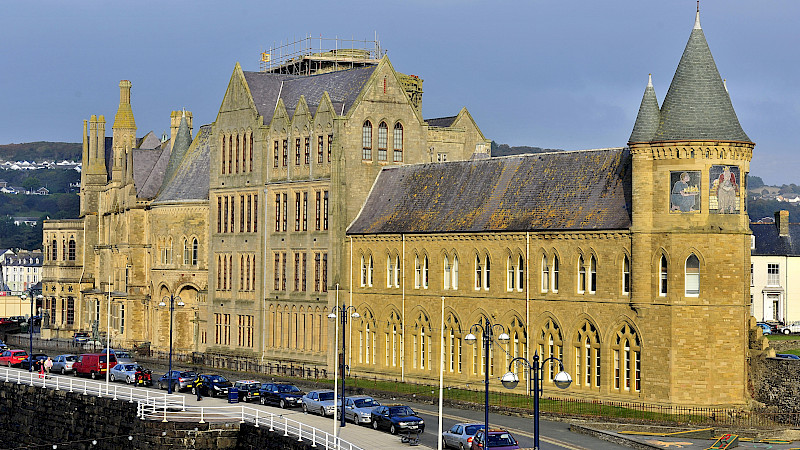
<point>775,270</point>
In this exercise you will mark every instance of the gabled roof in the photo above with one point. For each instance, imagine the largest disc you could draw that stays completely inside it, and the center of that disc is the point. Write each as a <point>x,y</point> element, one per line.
<point>697,105</point>
<point>580,190</point>
<point>770,243</point>
<point>343,86</point>
<point>190,180</point>
<point>441,122</point>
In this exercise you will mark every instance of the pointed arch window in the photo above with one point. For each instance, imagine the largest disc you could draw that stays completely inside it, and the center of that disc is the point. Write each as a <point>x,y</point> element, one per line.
<point>383,140</point>
<point>555,274</point>
<point>550,345</point>
<point>425,272</point>
<point>662,276</point>
<point>417,272</point>
<point>397,271</point>
<point>511,271</point>
<point>592,274</point>
<point>587,356</point>
<point>194,252</point>
<point>398,142</point>
<point>486,272</point>
<point>692,276</point>
<point>389,271</point>
<point>581,275</point>
<point>454,273</point>
<point>545,274</point>
<point>366,140</point>
<point>186,251</point>
<point>520,273</point>
<point>478,272</point>
<point>71,250</point>
<point>627,360</point>
<point>54,250</point>
<point>446,273</point>
<point>626,275</point>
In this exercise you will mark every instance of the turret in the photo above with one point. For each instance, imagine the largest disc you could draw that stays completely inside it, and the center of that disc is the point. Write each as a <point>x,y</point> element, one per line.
<point>124,136</point>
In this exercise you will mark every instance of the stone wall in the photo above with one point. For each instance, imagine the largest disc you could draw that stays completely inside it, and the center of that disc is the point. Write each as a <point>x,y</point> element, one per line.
<point>776,383</point>
<point>34,416</point>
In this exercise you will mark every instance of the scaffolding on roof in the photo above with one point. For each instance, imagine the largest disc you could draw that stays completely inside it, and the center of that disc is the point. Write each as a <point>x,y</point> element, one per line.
<point>311,55</point>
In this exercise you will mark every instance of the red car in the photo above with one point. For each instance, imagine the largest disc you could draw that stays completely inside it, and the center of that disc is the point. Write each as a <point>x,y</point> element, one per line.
<point>12,357</point>
<point>5,320</point>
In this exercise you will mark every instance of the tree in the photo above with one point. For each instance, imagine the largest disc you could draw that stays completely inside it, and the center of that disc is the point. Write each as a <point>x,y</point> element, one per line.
<point>754,182</point>
<point>31,183</point>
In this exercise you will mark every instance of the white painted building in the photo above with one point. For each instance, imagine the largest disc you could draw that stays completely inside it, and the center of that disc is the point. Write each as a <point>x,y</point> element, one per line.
<point>21,270</point>
<point>775,270</point>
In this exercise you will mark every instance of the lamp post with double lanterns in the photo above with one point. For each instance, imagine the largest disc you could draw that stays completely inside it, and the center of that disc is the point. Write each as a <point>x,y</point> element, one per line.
<point>487,333</point>
<point>562,380</point>
<point>342,313</point>
<point>30,324</point>
<point>171,299</point>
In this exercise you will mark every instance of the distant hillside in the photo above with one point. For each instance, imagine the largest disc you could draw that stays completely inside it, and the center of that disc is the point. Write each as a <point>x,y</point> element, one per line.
<point>507,150</point>
<point>38,151</point>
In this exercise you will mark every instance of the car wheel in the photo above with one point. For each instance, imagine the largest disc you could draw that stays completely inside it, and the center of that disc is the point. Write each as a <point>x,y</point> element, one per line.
<point>262,400</point>
<point>374,424</point>
<point>161,385</point>
<point>392,429</point>
<point>194,390</point>
<point>128,380</point>
<point>283,404</point>
<point>93,375</point>
<point>322,412</point>
<point>8,363</point>
<point>112,377</point>
<point>444,443</point>
<point>461,446</point>
<point>63,371</point>
<point>786,331</point>
<point>305,408</point>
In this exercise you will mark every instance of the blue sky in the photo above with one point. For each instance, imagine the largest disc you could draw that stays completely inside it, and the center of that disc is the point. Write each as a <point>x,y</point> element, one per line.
<point>564,75</point>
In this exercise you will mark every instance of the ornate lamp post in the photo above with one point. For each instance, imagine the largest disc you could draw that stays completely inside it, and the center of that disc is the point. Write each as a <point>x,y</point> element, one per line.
<point>342,312</point>
<point>30,326</point>
<point>171,298</point>
<point>487,333</point>
<point>562,380</point>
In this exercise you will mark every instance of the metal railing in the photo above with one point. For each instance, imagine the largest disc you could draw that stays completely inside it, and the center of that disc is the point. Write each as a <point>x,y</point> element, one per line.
<point>247,414</point>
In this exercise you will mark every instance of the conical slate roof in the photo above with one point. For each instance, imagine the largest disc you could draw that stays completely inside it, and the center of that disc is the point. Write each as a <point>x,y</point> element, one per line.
<point>649,116</point>
<point>183,139</point>
<point>697,106</point>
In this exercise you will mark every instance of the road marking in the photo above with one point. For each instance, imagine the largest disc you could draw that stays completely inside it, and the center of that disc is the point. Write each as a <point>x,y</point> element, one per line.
<point>549,440</point>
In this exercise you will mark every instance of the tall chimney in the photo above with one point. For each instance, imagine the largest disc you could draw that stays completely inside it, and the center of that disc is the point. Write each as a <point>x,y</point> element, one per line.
<point>782,222</point>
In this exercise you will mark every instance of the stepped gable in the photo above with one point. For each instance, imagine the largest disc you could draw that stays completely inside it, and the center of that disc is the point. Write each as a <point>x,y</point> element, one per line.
<point>649,116</point>
<point>579,190</point>
<point>191,178</point>
<point>343,87</point>
<point>697,106</point>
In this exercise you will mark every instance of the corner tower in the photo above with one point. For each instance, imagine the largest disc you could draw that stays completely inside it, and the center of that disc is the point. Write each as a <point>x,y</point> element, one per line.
<point>690,234</point>
<point>124,132</point>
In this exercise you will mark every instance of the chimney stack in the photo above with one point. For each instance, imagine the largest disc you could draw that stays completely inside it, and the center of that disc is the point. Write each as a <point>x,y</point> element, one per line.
<point>782,222</point>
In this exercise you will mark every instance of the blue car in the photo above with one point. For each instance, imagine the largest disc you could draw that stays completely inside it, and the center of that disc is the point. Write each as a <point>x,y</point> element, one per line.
<point>786,356</point>
<point>765,326</point>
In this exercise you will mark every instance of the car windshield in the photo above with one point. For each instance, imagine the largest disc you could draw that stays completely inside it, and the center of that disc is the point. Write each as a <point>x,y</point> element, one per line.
<point>470,430</point>
<point>70,358</point>
<point>401,411</point>
<point>251,386</point>
<point>326,396</point>
<point>217,378</point>
<point>365,402</point>
<point>122,354</point>
<point>130,367</point>
<point>288,388</point>
<point>501,439</point>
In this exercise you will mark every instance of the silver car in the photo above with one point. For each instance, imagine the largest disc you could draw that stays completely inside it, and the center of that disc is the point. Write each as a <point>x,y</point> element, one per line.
<point>63,364</point>
<point>124,372</point>
<point>358,408</point>
<point>460,435</point>
<point>319,402</point>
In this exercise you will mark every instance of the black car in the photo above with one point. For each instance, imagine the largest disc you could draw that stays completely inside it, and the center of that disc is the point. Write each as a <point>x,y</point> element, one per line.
<point>37,358</point>
<point>213,385</point>
<point>398,418</point>
<point>284,395</point>
<point>248,390</point>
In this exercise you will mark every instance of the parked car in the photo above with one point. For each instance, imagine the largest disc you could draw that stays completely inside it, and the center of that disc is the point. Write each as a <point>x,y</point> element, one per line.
<point>80,337</point>
<point>791,327</point>
<point>18,319</point>
<point>358,408</point>
<point>33,359</point>
<point>5,321</point>
<point>319,402</point>
<point>498,440</point>
<point>93,364</point>
<point>397,418</point>
<point>124,372</point>
<point>786,356</point>
<point>12,357</point>
<point>766,329</point>
<point>180,380</point>
<point>122,355</point>
<point>213,385</point>
<point>460,435</point>
<point>63,364</point>
<point>3,346</point>
<point>248,390</point>
<point>284,395</point>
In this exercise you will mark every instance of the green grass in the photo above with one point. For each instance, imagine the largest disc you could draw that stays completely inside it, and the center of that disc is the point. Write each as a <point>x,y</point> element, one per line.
<point>784,337</point>
<point>795,351</point>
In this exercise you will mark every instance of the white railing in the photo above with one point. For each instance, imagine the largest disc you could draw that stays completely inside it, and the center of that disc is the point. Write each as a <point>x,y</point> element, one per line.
<point>115,391</point>
<point>247,414</point>
<point>154,405</point>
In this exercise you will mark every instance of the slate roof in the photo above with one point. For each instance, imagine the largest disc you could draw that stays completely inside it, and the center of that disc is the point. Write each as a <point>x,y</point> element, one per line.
<point>148,170</point>
<point>770,243</point>
<point>190,180</point>
<point>343,87</point>
<point>579,190</point>
<point>649,116</point>
<point>441,122</point>
<point>697,105</point>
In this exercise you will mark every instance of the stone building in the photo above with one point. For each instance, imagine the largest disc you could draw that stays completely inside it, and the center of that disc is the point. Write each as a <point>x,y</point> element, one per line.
<point>628,264</point>
<point>242,226</point>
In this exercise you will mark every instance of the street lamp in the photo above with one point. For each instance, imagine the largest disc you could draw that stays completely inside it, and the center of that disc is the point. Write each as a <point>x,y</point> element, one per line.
<point>171,298</point>
<point>562,380</point>
<point>342,310</point>
<point>30,326</point>
<point>487,333</point>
